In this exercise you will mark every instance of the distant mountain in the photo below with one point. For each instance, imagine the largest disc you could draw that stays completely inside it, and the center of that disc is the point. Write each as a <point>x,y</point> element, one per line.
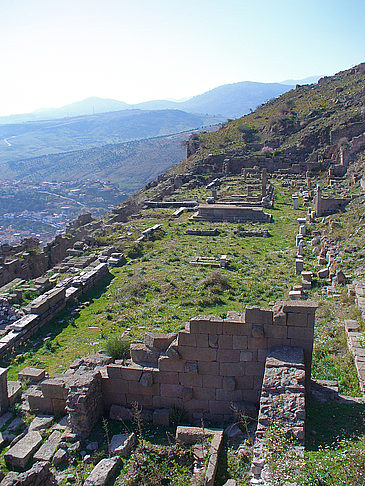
<point>130,165</point>
<point>31,139</point>
<point>228,100</point>
<point>308,80</point>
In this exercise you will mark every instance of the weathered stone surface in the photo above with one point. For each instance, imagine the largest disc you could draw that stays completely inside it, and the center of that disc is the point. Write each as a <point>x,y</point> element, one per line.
<point>140,353</point>
<point>19,455</point>
<point>38,475</point>
<point>229,383</point>
<point>59,457</point>
<point>103,472</point>
<point>122,444</point>
<point>42,422</point>
<point>46,451</point>
<point>84,403</point>
<point>190,435</point>
<point>117,412</point>
<point>159,341</point>
<point>31,375</point>
<point>146,379</point>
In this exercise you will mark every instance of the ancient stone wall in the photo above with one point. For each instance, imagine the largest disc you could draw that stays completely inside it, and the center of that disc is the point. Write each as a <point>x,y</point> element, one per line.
<point>282,406</point>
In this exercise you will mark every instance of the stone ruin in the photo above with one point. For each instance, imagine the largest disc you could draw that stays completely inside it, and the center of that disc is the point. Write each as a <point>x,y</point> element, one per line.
<point>210,369</point>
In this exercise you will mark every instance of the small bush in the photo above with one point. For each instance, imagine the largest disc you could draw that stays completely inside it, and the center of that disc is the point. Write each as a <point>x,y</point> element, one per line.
<point>118,348</point>
<point>217,281</point>
<point>135,251</point>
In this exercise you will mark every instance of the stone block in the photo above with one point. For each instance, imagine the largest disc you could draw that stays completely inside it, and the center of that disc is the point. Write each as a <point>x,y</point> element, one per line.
<point>245,382</point>
<point>191,367</point>
<point>202,340</point>
<point>212,381</point>
<point>58,406</point>
<point>164,402</point>
<point>122,444</point>
<point>220,407</point>
<point>129,373</point>
<point>46,451</point>
<point>228,355</point>
<point>279,318</point>
<point>254,369</point>
<point>146,379</point>
<point>20,454</point>
<point>225,341</point>
<point>187,393</point>
<point>168,364</point>
<point>299,333</point>
<point>203,325</point>
<point>161,417</point>
<point>14,391</point>
<point>204,354</point>
<point>4,398</point>
<point>192,435</point>
<point>298,320</point>
<point>232,369</point>
<point>213,340</point>
<point>54,388</point>
<point>159,341</point>
<point>258,332</point>
<point>204,393</point>
<point>237,328</point>
<point>172,391</point>
<point>41,422</point>
<point>275,331</point>
<point>31,375</point>
<point>246,355</point>
<point>117,412</point>
<point>140,353</point>
<point>103,472</point>
<point>258,315</point>
<point>186,379</point>
<point>323,273</point>
<point>185,338</point>
<point>239,342</point>
<point>170,377</point>
<point>136,388</point>
<point>208,368</point>
<point>224,395</point>
<point>229,383</point>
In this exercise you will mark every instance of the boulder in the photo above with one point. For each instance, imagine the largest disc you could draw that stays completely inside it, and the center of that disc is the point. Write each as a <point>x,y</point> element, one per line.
<point>103,472</point>
<point>122,444</point>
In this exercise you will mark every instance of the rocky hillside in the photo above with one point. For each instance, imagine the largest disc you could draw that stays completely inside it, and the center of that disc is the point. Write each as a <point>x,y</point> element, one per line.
<point>302,124</point>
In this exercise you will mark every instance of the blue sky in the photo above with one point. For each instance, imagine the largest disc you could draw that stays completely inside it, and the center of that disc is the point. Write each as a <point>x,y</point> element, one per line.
<point>54,52</point>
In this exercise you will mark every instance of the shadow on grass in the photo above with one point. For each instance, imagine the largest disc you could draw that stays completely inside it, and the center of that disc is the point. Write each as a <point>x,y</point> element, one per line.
<point>328,423</point>
<point>61,320</point>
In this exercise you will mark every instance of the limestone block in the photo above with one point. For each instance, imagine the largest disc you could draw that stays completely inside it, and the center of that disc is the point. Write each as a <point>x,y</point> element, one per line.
<point>213,340</point>
<point>258,331</point>
<point>14,391</point>
<point>191,435</point>
<point>31,375</point>
<point>59,457</point>
<point>19,455</point>
<point>228,355</point>
<point>129,373</point>
<point>161,416</point>
<point>103,472</point>
<point>298,320</point>
<point>122,444</point>
<point>54,388</point>
<point>187,393</point>
<point>239,342</point>
<point>191,367</point>
<point>258,315</point>
<point>146,379</point>
<point>4,399</point>
<point>225,341</point>
<point>229,383</point>
<point>41,422</point>
<point>158,341</point>
<point>117,412</point>
<point>208,368</point>
<point>185,338</point>
<point>173,350</point>
<point>172,391</point>
<point>323,273</point>
<point>46,451</point>
<point>169,364</point>
<point>140,353</point>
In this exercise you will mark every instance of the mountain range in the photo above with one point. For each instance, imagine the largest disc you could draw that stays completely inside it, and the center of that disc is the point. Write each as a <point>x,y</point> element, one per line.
<point>228,100</point>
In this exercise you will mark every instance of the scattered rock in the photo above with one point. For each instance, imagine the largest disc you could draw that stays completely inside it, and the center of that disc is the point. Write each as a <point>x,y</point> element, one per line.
<point>122,444</point>
<point>59,457</point>
<point>41,422</point>
<point>103,472</point>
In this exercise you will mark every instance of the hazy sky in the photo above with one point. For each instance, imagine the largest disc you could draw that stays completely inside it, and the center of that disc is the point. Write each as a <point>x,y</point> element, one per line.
<point>54,52</point>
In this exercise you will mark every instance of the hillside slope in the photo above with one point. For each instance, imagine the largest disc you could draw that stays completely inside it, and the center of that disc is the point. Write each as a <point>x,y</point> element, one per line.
<point>32,139</point>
